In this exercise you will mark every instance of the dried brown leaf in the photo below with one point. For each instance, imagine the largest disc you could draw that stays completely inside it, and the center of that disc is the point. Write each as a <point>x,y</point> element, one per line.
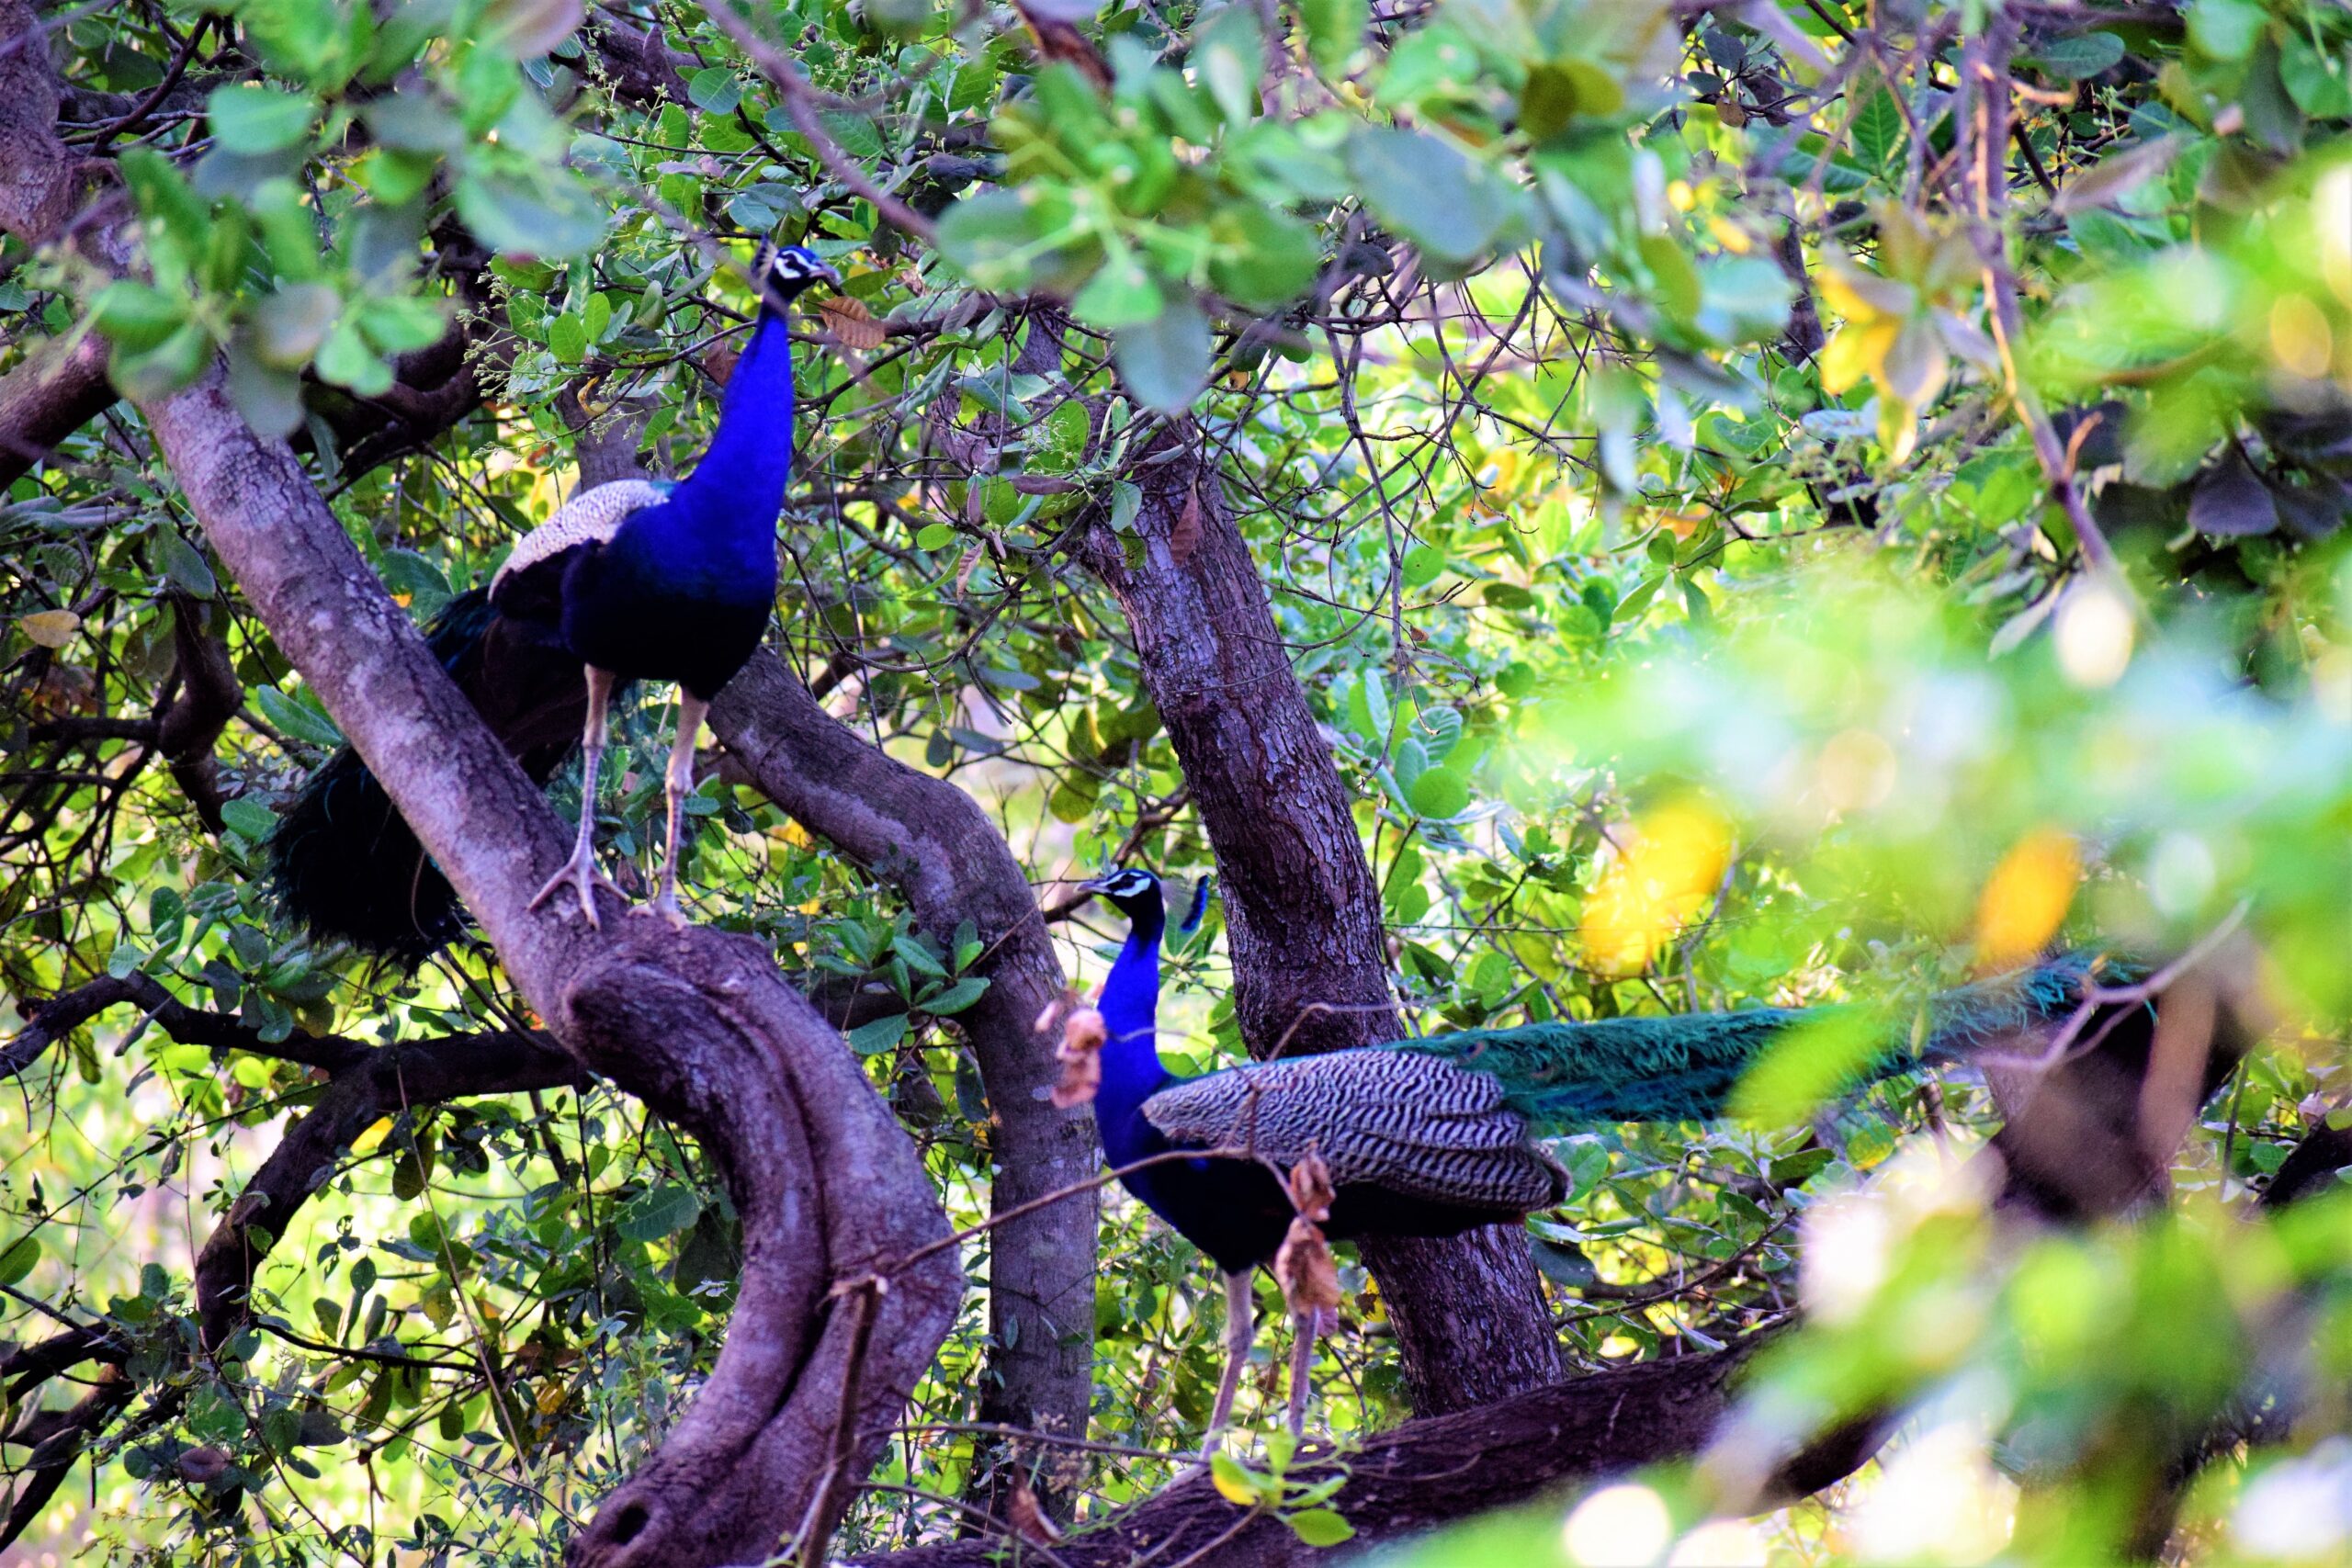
<point>1184,538</point>
<point>718,362</point>
<point>965,568</point>
<point>1309,1278</point>
<point>201,1467</point>
<point>1310,1187</point>
<point>1027,1517</point>
<point>851,321</point>
<point>1080,1055</point>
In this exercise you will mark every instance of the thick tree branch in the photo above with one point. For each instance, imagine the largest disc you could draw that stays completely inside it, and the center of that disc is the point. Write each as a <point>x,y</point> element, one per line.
<point>932,841</point>
<point>696,1023</point>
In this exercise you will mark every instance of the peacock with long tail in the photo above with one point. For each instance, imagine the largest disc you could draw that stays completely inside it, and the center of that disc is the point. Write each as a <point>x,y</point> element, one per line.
<point>1440,1134</point>
<point>631,580</point>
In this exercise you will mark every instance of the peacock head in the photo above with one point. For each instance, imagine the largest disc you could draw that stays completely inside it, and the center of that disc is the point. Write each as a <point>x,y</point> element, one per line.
<point>1134,890</point>
<point>791,270</point>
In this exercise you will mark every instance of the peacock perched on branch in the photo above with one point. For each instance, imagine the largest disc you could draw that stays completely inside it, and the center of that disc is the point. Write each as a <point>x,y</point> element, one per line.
<point>1438,1135</point>
<point>631,580</point>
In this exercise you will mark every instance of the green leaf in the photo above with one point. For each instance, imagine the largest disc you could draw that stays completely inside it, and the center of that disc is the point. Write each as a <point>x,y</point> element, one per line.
<point>248,819</point>
<point>1229,57</point>
<point>1422,564</point>
<point>995,238</point>
<point>872,1039</point>
<point>568,338</point>
<point>1427,191</point>
<point>291,715</point>
<point>658,1211</point>
<point>714,90</point>
<point>547,213</point>
<point>918,957</point>
<point>292,324</point>
<point>183,565</point>
<point>1165,361</point>
<point>2084,54</point>
<point>18,1260</point>
<point>524,27</point>
<point>1319,1526</point>
<point>1122,293</point>
<point>136,316</point>
<point>348,361</point>
<point>249,118</point>
<point>164,369</point>
<point>1876,132</point>
<point>1262,257</point>
<point>936,535</point>
<point>957,997</point>
<point>1439,793</point>
<point>1334,31</point>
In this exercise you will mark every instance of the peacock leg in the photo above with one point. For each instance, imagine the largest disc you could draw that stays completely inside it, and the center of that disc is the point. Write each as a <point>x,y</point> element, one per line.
<point>676,784</point>
<point>580,872</point>
<point>1304,1329</point>
<point>1240,1312</point>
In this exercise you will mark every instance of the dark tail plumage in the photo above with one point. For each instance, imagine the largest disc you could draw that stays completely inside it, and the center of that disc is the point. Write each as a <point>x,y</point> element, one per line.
<point>1563,1075</point>
<point>343,864</point>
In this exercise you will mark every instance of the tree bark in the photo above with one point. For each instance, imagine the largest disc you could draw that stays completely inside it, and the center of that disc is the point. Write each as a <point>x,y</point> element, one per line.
<point>932,841</point>
<point>696,1023</point>
<point>1310,958</point>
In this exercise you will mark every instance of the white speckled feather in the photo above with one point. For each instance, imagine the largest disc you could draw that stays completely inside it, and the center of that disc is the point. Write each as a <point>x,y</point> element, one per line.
<point>591,517</point>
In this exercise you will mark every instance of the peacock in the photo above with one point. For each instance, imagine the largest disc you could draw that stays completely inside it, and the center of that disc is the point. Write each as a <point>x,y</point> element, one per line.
<point>633,580</point>
<point>1437,1136</point>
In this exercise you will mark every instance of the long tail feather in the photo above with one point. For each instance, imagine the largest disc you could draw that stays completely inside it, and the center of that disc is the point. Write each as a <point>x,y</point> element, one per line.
<point>1683,1068</point>
<point>344,864</point>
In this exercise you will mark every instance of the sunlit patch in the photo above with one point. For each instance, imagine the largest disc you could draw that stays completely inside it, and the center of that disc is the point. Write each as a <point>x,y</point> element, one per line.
<point>2331,207</point>
<point>1619,1526</point>
<point>2027,897</point>
<point>1720,1543</point>
<point>1670,872</point>
<point>2300,339</point>
<point>2300,1510</point>
<point>2180,874</point>
<point>1847,1242</point>
<point>1858,768</point>
<point>1938,1500</point>
<point>2094,635</point>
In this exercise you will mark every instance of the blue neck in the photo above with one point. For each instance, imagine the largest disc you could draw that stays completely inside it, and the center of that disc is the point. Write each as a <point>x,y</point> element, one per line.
<point>1130,1007</point>
<point>742,477</point>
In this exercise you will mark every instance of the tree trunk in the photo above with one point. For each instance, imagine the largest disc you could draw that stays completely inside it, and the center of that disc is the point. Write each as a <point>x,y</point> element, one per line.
<point>1310,961</point>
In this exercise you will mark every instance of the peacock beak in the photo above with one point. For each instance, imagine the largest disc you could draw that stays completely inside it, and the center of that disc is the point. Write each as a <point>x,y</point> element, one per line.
<point>1095,884</point>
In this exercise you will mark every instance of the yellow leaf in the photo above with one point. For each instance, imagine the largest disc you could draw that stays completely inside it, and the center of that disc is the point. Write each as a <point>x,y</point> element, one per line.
<point>51,628</point>
<point>366,1142</point>
<point>1855,354</point>
<point>1232,1483</point>
<point>1678,857</point>
<point>1862,296</point>
<point>2026,897</point>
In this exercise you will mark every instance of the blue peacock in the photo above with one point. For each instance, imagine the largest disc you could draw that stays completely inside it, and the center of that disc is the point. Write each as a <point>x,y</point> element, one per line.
<point>1440,1134</point>
<point>629,580</point>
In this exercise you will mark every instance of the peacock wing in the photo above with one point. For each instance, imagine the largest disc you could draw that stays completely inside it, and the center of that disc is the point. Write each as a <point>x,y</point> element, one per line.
<point>1411,1123</point>
<point>591,517</point>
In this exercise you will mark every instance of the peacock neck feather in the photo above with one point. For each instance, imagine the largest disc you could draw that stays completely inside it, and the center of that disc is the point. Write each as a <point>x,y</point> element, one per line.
<point>719,526</point>
<point>1130,1007</point>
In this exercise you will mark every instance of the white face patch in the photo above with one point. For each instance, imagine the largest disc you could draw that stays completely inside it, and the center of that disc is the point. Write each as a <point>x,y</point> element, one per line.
<point>591,517</point>
<point>1128,883</point>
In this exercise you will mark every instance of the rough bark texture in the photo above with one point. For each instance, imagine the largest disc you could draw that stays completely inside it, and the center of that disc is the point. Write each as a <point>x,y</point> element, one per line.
<point>829,1187</point>
<point>1310,963</point>
<point>53,392</point>
<point>932,841</point>
<point>1435,1470</point>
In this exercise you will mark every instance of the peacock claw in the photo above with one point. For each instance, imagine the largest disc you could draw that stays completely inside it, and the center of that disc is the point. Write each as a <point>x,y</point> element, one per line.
<point>580,872</point>
<point>665,906</point>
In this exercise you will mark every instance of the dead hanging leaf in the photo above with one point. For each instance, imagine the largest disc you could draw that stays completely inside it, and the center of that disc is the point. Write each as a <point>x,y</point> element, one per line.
<point>718,362</point>
<point>1080,1055</point>
<point>851,321</point>
<point>51,628</point>
<point>1186,536</point>
<point>64,689</point>
<point>1309,1278</point>
<point>1310,1187</point>
<point>1027,1517</point>
<point>965,568</point>
<point>201,1467</point>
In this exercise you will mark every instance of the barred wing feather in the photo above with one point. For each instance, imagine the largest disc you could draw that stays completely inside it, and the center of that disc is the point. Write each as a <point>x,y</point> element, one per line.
<point>591,517</point>
<point>1402,1122</point>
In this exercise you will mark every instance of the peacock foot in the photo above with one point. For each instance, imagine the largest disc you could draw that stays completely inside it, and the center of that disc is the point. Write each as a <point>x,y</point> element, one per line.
<point>580,872</point>
<point>665,904</point>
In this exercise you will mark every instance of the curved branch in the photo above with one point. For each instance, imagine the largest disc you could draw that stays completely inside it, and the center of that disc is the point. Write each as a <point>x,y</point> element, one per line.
<point>697,1023</point>
<point>934,843</point>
